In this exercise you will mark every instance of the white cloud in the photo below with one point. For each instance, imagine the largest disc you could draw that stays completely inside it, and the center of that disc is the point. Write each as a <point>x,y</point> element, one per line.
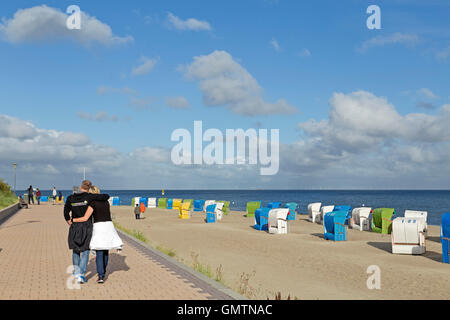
<point>304,53</point>
<point>224,82</point>
<point>189,24</point>
<point>99,116</point>
<point>43,23</point>
<point>146,66</point>
<point>427,93</point>
<point>275,45</point>
<point>177,102</point>
<point>396,38</point>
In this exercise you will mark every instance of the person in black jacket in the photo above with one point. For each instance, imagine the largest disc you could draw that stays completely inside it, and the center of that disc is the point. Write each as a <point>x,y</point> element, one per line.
<point>80,233</point>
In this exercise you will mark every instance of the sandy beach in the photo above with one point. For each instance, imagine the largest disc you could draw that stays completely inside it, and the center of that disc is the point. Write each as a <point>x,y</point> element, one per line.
<point>300,264</point>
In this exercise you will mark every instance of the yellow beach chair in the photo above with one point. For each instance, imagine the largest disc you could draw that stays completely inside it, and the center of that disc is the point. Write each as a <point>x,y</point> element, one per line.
<point>176,205</point>
<point>184,210</point>
<point>60,200</point>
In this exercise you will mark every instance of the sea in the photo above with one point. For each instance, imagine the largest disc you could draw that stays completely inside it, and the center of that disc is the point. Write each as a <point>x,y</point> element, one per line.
<point>435,202</point>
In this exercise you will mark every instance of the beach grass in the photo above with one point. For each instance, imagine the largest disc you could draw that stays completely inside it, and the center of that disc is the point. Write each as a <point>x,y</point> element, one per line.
<point>141,237</point>
<point>7,197</point>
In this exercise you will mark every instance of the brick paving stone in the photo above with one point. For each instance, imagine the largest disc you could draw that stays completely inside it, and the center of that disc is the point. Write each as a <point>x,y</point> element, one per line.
<point>34,259</point>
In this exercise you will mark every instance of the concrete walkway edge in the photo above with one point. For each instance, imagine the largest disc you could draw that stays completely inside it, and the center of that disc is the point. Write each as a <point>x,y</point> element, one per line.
<point>8,212</point>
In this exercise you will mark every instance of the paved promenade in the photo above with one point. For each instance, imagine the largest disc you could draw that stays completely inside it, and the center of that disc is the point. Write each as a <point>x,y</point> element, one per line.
<point>34,260</point>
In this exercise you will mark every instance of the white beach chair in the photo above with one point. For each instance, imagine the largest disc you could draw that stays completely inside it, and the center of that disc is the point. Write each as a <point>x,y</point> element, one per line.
<point>219,210</point>
<point>361,219</point>
<point>323,211</point>
<point>420,215</point>
<point>151,202</point>
<point>136,200</point>
<point>278,221</point>
<point>207,203</point>
<point>314,212</point>
<point>408,236</point>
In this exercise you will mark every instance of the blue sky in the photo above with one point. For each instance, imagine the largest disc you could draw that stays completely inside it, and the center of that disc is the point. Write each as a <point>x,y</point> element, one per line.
<point>299,51</point>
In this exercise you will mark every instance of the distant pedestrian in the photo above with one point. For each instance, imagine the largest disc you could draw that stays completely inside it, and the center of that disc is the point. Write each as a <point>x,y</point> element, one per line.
<point>142,209</point>
<point>54,195</point>
<point>38,196</point>
<point>137,211</point>
<point>30,195</point>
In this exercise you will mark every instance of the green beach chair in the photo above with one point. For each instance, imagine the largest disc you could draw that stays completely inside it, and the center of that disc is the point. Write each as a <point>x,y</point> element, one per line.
<point>251,208</point>
<point>226,206</point>
<point>191,201</point>
<point>382,220</point>
<point>162,203</point>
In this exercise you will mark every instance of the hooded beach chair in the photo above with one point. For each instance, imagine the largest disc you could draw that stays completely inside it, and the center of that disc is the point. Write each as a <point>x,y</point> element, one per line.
<point>190,201</point>
<point>162,203</point>
<point>408,236</point>
<point>420,215</point>
<point>184,210</point>
<point>262,219</point>
<point>314,212</point>
<point>323,211</point>
<point>116,201</point>
<point>278,223</point>
<point>445,237</point>
<point>382,220</point>
<point>199,205</point>
<point>273,205</point>
<point>210,213</point>
<point>334,226</point>
<point>208,203</point>
<point>59,200</point>
<point>176,204</point>
<point>219,211</point>
<point>44,199</point>
<point>169,203</point>
<point>135,201</point>
<point>152,202</point>
<point>361,219</point>
<point>292,206</point>
<point>345,208</point>
<point>226,206</point>
<point>251,208</point>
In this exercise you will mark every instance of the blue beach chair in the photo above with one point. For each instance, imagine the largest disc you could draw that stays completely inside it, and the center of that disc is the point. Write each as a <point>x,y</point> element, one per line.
<point>445,237</point>
<point>348,209</point>
<point>292,206</point>
<point>210,213</point>
<point>116,201</point>
<point>169,203</point>
<point>198,205</point>
<point>334,226</point>
<point>262,219</point>
<point>273,205</point>
<point>44,199</point>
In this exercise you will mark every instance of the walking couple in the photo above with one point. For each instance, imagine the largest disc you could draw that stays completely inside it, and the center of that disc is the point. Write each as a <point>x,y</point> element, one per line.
<point>88,215</point>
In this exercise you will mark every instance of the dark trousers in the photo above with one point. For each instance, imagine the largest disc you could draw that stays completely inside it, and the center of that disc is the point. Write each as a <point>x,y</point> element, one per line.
<point>101,261</point>
<point>138,216</point>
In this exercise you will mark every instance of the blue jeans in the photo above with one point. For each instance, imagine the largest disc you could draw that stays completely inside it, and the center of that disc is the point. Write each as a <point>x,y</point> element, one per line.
<point>80,263</point>
<point>101,261</point>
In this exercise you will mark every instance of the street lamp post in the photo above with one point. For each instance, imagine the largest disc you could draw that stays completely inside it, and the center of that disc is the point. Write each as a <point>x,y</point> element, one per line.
<point>15,166</point>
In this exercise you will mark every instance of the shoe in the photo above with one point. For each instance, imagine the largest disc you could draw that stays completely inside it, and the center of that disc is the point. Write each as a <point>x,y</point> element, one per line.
<point>100,279</point>
<point>81,280</point>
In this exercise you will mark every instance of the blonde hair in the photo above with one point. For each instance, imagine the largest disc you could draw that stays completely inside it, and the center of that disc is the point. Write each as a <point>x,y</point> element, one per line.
<point>94,189</point>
